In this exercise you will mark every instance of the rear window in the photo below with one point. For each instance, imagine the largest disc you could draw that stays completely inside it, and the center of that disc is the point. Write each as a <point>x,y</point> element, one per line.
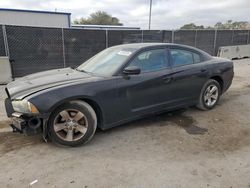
<point>181,57</point>
<point>197,57</point>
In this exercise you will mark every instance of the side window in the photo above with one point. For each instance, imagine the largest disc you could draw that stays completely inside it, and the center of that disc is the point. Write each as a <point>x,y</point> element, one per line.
<point>151,60</point>
<point>183,57</point>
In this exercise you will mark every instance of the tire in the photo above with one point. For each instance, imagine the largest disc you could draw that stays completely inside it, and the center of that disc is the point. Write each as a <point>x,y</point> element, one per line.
<point>203,103</point>
<point>72,124</point>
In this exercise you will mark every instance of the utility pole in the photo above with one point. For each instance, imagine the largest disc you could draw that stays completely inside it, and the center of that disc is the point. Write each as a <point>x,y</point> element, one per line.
<point>150,9</point>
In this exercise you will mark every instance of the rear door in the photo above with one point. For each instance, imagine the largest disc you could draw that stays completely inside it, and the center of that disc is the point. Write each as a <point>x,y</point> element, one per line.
<point>189,74</point>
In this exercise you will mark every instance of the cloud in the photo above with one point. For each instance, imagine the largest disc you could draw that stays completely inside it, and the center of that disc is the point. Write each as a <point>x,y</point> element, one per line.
<point>166,14</point>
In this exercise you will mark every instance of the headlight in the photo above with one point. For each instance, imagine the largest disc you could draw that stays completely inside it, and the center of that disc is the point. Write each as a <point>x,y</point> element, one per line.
<point>24,106</point>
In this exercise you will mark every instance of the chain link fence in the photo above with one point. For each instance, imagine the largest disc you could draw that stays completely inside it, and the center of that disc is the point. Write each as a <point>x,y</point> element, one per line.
<point>34,49</point>
<point>79,45</point>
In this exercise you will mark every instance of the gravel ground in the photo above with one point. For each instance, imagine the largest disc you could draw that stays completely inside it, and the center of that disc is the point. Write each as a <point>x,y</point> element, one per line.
<point>185,148</point>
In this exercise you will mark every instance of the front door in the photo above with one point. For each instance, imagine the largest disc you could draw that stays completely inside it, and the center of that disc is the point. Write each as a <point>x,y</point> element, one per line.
<point>150,90</point>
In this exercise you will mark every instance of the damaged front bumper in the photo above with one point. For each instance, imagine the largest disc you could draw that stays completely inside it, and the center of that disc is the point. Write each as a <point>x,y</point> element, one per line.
<point>28,124</point>
<point>25,124</point>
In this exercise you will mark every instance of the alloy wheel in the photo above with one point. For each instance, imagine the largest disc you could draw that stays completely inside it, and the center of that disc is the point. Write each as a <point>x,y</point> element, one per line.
<point>211,95</point>
<point>70,125</point>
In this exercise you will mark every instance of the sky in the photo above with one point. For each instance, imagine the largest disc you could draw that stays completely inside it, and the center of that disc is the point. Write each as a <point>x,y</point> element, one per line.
<point>166,14</point>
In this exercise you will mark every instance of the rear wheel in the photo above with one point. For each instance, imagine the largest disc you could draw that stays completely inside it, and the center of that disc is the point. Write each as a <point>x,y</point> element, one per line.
<point>72,124</point>
<point>210,95</point>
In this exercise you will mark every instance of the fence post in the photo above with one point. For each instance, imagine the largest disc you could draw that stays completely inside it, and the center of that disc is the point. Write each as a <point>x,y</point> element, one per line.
<point>248,37</point>
<point>64,62</point>
<point>172,40</point>
<point>215,41</point>
<point>195,38</point>
<point>107,38</point>
<point>142,36</point>
<point>163,36</point>
<point>232,40</point>
<point>5,40</point>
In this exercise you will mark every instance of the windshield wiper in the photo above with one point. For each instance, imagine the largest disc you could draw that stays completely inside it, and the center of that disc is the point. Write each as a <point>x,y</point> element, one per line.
<point>81,70</point>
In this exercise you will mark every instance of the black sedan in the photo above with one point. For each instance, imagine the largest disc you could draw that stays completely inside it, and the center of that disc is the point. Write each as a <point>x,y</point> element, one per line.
<point>118,85</point>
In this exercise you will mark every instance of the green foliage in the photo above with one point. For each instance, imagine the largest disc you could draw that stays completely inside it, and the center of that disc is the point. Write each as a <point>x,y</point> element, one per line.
<point>192,26</point>
<point>99,18</point>
<point>231,25</point>
<point>219,25</point>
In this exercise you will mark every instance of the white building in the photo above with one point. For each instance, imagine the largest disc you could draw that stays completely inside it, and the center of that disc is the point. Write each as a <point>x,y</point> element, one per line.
<point>34,18</point>
<point>104,27</point>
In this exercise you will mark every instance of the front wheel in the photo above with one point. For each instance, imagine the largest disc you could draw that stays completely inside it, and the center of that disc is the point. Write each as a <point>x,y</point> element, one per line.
<point>72,124</point>
<point>210,95</point>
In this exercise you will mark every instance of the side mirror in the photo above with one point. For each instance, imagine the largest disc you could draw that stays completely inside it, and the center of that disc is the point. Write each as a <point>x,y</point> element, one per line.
<point>132,70</point>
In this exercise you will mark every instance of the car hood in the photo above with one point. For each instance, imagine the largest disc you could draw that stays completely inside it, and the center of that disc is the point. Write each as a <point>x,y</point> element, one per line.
<point>33,83</point>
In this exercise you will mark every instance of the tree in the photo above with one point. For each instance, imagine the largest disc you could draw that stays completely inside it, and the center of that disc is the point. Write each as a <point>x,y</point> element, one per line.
<point>99,18</point>
<point>232,25</point>
<point>192,26</point>
<point>220,25</point>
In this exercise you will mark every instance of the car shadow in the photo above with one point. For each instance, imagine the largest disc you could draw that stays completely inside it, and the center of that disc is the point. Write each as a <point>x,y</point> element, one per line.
<point>176,118</point>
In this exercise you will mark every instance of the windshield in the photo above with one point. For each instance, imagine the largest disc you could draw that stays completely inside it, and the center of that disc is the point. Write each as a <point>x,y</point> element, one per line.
<point>107,62</point>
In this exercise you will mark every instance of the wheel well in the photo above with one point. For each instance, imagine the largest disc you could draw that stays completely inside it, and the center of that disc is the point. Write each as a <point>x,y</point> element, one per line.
<point>219,80</point>
<point>92,103</point>
<point>96,108</point>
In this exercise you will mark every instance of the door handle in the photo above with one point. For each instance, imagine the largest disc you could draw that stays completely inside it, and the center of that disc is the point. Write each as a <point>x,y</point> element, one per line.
<point>203,70</point>
<point>167,80</point>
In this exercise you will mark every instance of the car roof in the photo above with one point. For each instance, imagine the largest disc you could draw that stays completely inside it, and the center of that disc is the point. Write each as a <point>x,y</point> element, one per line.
<point>138,46</point>
<point>143,45</point>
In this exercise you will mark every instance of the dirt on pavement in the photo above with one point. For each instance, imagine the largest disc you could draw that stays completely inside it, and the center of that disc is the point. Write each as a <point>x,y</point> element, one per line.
<point>184,148</point>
